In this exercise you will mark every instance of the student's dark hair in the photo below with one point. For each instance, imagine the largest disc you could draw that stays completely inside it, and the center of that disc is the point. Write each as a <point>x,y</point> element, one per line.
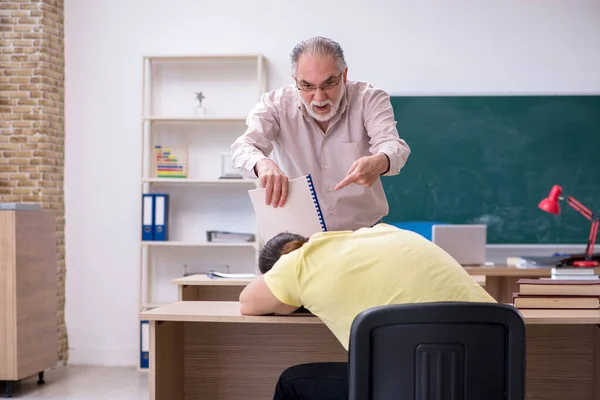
<point>277,246</point>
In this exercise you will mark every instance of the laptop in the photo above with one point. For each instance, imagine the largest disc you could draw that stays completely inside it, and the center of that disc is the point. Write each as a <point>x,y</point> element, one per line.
<point>465,243</point>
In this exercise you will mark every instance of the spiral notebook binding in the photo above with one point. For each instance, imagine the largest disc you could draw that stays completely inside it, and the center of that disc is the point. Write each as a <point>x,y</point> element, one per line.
<point>313,193</point>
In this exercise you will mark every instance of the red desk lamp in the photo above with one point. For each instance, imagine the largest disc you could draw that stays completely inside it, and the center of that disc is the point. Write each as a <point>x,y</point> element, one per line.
<point>551,205</point>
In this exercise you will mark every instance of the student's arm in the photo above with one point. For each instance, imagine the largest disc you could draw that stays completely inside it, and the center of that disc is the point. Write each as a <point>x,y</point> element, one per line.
<point>257,299</point>
<point>276,291</point>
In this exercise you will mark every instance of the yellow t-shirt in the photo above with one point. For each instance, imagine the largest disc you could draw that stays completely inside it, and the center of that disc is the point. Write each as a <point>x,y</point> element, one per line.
<point>336,275</point>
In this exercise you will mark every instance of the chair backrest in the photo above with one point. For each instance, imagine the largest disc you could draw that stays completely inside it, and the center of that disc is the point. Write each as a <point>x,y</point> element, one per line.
<point>438,351</point>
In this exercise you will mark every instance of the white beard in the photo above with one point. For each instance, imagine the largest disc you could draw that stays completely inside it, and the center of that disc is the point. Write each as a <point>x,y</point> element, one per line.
<point>334,106</point>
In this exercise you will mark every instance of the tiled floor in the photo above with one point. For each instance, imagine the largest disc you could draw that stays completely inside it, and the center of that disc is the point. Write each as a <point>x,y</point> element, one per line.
<point>84,383</point>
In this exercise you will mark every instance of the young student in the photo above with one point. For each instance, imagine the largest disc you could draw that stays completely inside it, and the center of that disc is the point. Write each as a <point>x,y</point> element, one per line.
<point>337,275</point>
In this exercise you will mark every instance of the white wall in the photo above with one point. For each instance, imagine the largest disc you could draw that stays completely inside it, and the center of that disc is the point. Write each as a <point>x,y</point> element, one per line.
<point>402,46</point>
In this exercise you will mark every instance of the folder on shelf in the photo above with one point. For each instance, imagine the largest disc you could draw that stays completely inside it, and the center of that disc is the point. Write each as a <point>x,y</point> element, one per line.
<point>144,343</point>
<point>147,217</point>
<point>301,213</point>
<point>161,217</point>
<point>229,237</point>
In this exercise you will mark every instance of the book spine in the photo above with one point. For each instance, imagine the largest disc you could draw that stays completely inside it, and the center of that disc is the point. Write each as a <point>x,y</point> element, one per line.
<point>313,193</point>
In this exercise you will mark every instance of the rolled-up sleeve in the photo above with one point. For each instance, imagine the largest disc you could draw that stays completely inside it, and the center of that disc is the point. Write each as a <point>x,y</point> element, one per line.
<point>282,279</point>
<point>381,128</point>
<point>256,143</point>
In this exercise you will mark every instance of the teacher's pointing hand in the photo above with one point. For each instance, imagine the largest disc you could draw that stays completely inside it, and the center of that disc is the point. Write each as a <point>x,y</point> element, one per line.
<point>365,171</point>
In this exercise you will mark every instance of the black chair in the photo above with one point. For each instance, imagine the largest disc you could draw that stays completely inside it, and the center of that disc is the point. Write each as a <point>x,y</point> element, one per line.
<point>438,351</point>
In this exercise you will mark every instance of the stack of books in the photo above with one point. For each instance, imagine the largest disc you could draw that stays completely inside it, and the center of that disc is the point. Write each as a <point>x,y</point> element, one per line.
<point>552,294</point>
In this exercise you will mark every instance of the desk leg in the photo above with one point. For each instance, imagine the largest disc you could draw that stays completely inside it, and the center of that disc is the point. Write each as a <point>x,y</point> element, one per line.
<point>501,288</point>
<point>596,360</point>
<point>166,375</point>
<point>563,362</point>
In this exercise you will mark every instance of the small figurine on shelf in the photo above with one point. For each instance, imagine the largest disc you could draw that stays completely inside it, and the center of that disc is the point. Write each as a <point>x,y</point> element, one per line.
<point>200,111</point>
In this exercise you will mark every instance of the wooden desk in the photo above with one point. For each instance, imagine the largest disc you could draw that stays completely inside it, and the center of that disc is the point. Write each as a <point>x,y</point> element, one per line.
<point>208,350</point>
<point>202,288</point>
<point>501,280</point>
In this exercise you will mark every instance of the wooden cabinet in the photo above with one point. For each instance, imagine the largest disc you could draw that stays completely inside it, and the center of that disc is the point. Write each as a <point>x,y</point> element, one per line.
<point>28,297</point>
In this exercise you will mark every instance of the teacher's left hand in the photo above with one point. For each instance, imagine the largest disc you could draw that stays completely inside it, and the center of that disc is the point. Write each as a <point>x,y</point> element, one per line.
<point>365,171</point>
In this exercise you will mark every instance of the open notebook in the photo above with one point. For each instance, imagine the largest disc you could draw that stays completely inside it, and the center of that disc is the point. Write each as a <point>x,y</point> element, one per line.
<point>301,213</point>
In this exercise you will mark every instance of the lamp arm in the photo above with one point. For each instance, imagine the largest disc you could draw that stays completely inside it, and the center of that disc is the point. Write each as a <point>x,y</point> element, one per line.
<point>595,218</point>
<point>581,208</point>
<point>593,233</point>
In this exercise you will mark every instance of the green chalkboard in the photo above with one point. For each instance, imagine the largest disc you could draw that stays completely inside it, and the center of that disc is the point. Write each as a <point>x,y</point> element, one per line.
<point>491,159</point>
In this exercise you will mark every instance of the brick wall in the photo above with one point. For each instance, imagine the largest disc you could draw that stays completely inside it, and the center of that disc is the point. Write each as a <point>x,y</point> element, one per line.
<point>32,134</point>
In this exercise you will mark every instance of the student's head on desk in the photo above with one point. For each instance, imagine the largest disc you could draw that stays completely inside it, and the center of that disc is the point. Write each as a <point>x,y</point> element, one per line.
<point>277,246</point>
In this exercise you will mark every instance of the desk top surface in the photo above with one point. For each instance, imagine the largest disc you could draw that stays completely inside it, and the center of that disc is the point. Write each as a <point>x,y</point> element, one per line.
<point>229,311</point>
<point>204,280</point>
<point>507,270</point>
<point>219,311</point>
<point>512,270</point>
<point>484,270</point>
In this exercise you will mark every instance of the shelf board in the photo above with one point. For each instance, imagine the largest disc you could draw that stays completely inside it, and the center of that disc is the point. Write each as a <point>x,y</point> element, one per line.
<point>159,243</point>
<point>182,119</point>
<point>185,181</point>
<point>202,57</point>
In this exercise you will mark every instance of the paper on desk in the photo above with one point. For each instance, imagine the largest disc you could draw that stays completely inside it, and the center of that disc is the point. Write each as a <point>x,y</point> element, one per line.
<point>215,274</point>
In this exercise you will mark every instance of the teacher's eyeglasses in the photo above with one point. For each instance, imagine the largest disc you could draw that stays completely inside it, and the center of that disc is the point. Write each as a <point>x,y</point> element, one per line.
<point>327,85</point>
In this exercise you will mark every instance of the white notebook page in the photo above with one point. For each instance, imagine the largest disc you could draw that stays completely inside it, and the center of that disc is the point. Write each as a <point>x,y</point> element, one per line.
<point>299,215</point>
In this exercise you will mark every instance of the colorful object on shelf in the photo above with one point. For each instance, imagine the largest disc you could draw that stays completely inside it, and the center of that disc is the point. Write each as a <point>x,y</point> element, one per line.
<point>171,162</point>
<point>551,205</point>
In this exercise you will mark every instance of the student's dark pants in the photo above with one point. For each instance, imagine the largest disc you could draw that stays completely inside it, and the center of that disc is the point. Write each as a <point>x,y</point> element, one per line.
<point>313,381</point>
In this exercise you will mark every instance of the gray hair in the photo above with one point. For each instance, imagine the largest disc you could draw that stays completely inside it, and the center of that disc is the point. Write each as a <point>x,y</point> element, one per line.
<point>318,45</point>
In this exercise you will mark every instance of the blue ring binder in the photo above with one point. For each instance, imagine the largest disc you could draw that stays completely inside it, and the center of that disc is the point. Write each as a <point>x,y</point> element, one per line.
<point>316,202</point>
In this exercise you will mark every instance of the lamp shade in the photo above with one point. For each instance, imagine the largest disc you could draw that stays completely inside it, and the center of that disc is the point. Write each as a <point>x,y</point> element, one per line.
<point>550,203</point>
